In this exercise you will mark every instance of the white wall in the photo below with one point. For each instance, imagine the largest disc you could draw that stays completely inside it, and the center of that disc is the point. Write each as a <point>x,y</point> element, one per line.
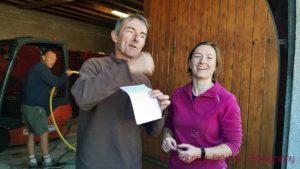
<point>294,129</point>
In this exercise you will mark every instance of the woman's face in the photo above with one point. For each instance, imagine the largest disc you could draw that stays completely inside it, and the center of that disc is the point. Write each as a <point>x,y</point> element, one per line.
<point>203,62</point>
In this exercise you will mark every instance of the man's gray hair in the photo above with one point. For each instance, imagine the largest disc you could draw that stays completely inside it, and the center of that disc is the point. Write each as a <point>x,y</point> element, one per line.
<point>122,21</point>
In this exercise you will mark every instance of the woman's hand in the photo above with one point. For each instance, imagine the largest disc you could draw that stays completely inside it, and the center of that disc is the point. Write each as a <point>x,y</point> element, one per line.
<point>169,144</point>
<point>188,153</point>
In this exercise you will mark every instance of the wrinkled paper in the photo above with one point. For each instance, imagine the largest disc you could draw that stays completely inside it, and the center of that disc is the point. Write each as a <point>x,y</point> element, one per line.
<point>145,108</point>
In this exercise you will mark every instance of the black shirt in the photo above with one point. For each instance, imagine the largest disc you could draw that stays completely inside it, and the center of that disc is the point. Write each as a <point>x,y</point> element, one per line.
<point>38,83</point>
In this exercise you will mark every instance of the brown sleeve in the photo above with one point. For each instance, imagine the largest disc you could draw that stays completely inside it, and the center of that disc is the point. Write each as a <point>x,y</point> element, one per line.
<point>154,128</point>
<point>98,80</point>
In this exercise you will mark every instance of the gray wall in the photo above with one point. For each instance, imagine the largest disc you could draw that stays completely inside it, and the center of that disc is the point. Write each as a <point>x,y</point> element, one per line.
<point>294,128</point>
<point>15,22</point>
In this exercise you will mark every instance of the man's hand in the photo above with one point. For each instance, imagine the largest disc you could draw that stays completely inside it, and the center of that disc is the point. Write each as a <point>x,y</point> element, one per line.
<point>163,100</point>
<point>142,64</point>
<point>188,153</point>
<point>169,144</point>
<point>68,72</point>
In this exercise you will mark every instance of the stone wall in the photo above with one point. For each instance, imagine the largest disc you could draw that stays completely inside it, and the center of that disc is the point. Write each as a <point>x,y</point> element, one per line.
<point>16,22</point>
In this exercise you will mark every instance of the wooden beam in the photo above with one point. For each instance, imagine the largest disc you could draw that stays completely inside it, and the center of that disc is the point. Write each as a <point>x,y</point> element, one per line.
<point>98,7</point>
<point>125,6</point>
<point>83,9</point>
<point>44,3</point>
<point>141,4</point>
<point>75,13</point>
<point>89,19</point>
<point>15,2</point>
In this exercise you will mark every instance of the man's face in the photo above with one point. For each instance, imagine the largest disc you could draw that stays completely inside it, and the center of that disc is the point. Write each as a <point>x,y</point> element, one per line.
<point>130,40</point>
<point>49,59</point>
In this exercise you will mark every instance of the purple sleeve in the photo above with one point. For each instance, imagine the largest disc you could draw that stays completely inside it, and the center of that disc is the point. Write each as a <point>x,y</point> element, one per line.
<point>231,126</point>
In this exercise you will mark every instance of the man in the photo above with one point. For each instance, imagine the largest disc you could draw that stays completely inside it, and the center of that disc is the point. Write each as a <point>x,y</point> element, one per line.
<point>108,137</point>
<point>35,103</point>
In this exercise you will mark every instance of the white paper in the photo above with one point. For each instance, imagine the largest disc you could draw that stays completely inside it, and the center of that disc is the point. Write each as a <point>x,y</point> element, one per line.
<point>145,109</point>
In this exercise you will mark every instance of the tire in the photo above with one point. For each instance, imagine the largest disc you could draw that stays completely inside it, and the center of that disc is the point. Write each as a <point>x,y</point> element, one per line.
<point>4,138</point>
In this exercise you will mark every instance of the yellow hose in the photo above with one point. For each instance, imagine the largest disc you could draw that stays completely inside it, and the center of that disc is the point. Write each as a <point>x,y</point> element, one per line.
<point>74,72</point>
<point>54,121</point>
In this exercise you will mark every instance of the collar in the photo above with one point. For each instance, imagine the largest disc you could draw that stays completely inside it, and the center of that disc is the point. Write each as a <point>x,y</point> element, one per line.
<point>212,92</point>
<point>117,60</point>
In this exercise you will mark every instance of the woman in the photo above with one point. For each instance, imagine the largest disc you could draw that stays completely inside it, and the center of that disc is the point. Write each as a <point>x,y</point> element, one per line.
<point>204,123</point>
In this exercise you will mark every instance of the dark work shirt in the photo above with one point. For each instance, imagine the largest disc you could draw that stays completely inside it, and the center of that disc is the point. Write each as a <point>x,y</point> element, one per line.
<point>38,83</point>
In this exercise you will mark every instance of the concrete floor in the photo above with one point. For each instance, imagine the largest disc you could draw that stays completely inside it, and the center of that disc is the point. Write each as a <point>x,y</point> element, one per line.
<point>16,157</point>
